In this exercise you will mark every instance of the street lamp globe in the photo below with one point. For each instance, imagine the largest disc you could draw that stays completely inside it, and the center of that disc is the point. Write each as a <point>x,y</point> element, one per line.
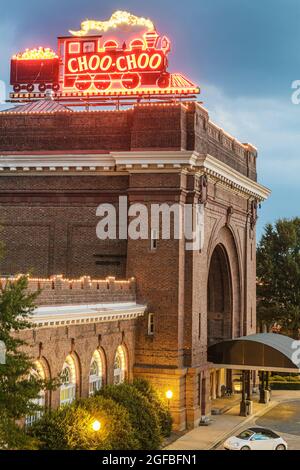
<point>96,425</point>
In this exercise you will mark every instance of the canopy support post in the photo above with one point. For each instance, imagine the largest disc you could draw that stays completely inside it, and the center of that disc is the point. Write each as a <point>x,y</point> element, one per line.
<point>262,388</point>
<point>243,404</point>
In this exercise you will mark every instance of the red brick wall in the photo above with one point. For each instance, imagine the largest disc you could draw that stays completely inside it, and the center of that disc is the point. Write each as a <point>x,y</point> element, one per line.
<point>52,345</point>
<point>49,226</point>
<point>142,127</point>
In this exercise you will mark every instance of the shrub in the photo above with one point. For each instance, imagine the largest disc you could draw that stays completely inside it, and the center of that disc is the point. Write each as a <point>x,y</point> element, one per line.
<point>278,378</point>
<point>161,409</point>
<point>143,418</point>
<point>285,378</point>
<point>13,436</point>
<point>115,422</point>
<point>285,385</point>
<point>70,427</point>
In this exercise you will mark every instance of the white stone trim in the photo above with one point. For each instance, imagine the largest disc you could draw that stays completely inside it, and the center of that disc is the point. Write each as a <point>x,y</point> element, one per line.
<point>214,167</point>
<point>57,162</point>
<point>136,161</point>
<point>159,158</point>
<point>64,315</point>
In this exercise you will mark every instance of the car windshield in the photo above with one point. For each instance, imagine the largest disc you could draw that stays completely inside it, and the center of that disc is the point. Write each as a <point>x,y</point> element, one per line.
<point>245,435</point>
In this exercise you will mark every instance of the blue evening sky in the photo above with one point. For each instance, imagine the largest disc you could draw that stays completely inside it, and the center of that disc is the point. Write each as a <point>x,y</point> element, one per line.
<point>244,55</point>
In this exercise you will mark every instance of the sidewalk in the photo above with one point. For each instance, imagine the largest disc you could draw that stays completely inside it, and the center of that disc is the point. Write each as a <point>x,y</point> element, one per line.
<point>207,437</point>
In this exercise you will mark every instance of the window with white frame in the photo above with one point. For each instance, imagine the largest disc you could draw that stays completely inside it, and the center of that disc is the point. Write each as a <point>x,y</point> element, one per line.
<point>119,366</point>
<point>153,241</point>
<point>89,46</point>
<point>150,323</point>
<point>74,47</point>
<point>40,401</point>
<point>96,373</point>
<point>68,386</point>
<point>37,373</point>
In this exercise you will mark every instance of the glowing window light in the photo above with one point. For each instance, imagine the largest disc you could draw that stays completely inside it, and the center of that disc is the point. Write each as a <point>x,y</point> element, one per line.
<point>96,373</point>
<point>119,365</point>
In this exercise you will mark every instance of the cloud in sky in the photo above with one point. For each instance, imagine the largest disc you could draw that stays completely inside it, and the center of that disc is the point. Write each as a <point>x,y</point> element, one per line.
<point>8,34</point>
<point>272,125</point>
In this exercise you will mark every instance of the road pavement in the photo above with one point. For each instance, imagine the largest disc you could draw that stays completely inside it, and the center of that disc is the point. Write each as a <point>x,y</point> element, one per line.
<point>284,419</point>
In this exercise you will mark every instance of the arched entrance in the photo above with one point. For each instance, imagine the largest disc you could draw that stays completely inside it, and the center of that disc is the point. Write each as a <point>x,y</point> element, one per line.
<point>219,297</point>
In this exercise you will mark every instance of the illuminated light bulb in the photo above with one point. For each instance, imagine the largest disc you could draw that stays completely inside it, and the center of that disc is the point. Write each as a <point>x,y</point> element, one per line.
<point>96,425</point>
<point>169,394</point>
<point>36,54</point>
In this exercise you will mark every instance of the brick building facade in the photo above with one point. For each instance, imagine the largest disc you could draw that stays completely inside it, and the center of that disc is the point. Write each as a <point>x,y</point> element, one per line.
<point>56,168</point>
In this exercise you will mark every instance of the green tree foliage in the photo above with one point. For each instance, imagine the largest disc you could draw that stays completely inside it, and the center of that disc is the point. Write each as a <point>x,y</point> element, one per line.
<point>159,406</point>
<point>278,272</point>
<point>18,386</point>
<point>71,427</point>
<point>142,415</point>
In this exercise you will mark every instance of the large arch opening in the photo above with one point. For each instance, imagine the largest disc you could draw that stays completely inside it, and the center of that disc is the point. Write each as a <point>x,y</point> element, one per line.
<point>219,298</point>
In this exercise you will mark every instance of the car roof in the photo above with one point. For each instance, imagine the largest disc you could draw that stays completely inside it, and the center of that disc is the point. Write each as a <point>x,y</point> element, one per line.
<point>261,430</point>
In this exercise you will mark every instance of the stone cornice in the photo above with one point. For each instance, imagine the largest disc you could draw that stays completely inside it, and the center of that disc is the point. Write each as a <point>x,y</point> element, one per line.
<point>159,159</point>
<point>57,162</point>
<point>113,161</point>
<point>133,161</point>
<point>230,177</point>
<point>70,315</point>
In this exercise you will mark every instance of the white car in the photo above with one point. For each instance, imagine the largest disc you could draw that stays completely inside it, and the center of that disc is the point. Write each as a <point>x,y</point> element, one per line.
<point>256,439</point>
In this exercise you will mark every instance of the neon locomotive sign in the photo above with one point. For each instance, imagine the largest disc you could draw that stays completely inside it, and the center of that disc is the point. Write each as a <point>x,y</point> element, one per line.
<point>91,64</point>
<point>101,64</point>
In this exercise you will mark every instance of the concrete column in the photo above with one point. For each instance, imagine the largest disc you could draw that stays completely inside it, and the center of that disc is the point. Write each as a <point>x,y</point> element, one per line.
<point>214,385</point>
<point>219,384</point>
<point>229,383</point>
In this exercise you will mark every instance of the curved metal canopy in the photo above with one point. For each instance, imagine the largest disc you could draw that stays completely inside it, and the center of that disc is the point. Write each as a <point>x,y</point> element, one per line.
<point>263,351</point>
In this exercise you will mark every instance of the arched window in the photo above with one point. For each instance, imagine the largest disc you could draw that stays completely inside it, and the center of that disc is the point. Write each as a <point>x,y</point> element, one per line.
<point>96,373</point>
<point>37,373</point>
<point>68,387</point>
<point>119,366</point>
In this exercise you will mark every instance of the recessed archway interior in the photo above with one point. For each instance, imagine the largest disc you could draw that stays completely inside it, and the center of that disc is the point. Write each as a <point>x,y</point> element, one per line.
<point>219,297</point>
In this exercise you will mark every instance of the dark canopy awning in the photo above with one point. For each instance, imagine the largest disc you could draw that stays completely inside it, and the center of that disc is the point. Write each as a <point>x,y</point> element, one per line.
<point>264,351</point>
